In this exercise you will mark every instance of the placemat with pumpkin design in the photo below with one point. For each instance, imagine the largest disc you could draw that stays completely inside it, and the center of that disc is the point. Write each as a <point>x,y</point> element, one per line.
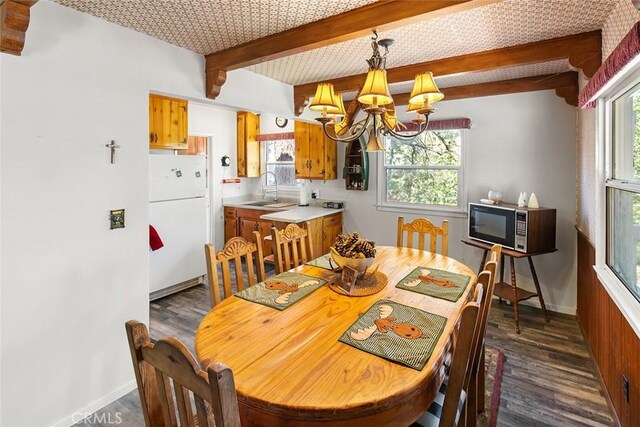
<point>396,332</point>
<point>283,290</point>
<point>435,283</point>
<point>322,262</point>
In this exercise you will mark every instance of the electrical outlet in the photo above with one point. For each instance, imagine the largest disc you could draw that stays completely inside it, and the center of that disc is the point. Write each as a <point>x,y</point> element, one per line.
<point>315,194</point>
<point>625,388</point>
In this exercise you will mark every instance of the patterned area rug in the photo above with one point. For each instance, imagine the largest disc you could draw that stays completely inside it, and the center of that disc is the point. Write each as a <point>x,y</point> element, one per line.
<point>494,362</point>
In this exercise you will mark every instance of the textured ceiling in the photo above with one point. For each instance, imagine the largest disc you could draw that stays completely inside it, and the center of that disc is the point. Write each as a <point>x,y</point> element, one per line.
<point>552,67</point>
<point>206,26</point>
<point>507,23</point>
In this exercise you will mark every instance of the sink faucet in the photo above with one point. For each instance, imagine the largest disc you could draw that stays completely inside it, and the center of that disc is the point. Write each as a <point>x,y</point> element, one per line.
<point>265,191</point>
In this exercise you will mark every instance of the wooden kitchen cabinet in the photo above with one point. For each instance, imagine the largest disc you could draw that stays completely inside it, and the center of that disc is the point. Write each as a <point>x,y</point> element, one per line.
<point>248,146</point>
<point>316,154</point>
<point>168,122</point>
<point>230,223</point>
<point>244,221</point>
<point>331,228</point>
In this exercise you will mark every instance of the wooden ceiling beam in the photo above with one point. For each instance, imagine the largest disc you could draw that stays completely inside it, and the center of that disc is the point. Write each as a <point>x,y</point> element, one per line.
<point>381,15</point>
<point>14,22</point>
<point>565,85</point>
<point>583,52</point>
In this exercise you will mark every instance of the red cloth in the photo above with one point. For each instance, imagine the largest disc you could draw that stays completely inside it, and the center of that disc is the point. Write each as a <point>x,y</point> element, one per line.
<point>154,239</point>
<point>628,49</point>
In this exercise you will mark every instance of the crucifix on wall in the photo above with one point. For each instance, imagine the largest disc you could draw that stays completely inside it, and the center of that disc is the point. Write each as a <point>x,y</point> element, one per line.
<point>113,147</point>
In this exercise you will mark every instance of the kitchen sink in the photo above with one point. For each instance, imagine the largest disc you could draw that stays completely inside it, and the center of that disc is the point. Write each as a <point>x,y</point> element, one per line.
<point>270,204</point>
<point>260,203</point>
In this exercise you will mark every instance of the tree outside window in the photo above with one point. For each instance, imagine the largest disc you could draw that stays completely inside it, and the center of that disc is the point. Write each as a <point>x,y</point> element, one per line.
<point>279,159</point>
<point>425,171</point>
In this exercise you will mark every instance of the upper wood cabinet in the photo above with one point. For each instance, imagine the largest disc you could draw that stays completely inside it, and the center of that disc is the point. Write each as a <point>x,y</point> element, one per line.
<point>168,122</point>
<point>316,155</point>
<point>248,145</point>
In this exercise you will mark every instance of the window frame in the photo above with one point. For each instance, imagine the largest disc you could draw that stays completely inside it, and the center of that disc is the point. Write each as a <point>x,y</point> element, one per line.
<point>459,211</point>
<point>604,157</point>
<point>265,163</point>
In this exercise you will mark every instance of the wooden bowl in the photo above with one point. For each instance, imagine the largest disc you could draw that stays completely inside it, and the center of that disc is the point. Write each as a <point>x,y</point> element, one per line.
<point>358,264</point>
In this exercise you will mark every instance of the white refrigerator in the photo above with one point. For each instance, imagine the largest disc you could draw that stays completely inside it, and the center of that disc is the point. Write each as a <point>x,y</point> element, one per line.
<point>178,212</point>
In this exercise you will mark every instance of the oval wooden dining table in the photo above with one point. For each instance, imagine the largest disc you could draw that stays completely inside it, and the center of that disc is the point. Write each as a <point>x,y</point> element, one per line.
<point>290,369</point>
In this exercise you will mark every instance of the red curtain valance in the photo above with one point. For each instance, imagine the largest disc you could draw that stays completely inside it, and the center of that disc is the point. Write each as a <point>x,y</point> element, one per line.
<point>448,124</point>
<point>628,49</point>
<point>274,136</point>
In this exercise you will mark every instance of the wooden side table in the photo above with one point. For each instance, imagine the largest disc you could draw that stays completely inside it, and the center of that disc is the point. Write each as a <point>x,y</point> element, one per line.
<point>510,291</point>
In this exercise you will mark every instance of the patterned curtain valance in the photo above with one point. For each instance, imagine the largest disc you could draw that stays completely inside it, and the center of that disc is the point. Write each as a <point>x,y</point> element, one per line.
<point>626,51</point>
<point>274,136</point>
<point>448,124</point>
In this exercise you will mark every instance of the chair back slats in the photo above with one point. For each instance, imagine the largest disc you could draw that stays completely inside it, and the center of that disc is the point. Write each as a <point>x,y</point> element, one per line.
<point>201,411</point>
<point>460,366</point>
<point>238,269</point>
<point>235,251</point>
<point>422,228</point>
<point>172,380</point>
<point>183,399</point>
<point>292,246</point>
<point>166,400</point>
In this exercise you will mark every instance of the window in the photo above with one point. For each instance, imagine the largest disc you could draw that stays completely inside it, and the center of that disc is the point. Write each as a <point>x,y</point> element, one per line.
<point>425,172</point>
<point>623,191</point>
<point>279,156</point>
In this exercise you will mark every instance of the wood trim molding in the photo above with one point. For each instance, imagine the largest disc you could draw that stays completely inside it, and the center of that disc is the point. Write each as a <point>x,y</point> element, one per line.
<point>214,81</point>
<point>565,84</point>
<point>583,51</point>
<point>359,22</point>
<point>14,22</point>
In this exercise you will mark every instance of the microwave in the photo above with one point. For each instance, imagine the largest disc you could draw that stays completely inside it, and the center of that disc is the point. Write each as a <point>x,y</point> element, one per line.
<point>527,230</point>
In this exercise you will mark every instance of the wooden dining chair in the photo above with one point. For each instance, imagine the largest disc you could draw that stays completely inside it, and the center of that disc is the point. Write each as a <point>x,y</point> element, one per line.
<point>487,278</point>
<point>292,247</point>
<point>477,402</point>
<point>236,249</point>
<point>448,407</point>
<point>423,227</point>
<point>171,384</point>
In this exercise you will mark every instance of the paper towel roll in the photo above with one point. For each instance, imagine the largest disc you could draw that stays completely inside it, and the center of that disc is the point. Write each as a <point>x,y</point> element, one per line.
<point>303,194</point>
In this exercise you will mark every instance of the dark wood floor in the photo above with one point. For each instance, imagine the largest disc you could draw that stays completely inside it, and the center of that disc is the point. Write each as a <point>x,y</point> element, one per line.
<point>549,378</point>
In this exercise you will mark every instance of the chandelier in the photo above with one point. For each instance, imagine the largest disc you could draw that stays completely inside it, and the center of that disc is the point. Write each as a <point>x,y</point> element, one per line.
<point>378,104</point>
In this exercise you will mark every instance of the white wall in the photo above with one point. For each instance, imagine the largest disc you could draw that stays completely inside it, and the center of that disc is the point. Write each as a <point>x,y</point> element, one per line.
<point>519,142</point>
<point>220,124</point>
<point>68,282</point>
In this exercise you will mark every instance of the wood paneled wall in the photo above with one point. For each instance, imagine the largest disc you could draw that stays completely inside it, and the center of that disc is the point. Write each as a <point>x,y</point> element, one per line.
<point>613,342</point>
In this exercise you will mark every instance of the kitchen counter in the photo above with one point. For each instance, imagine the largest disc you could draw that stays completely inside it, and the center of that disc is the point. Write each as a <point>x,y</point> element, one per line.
<point>300,214</point>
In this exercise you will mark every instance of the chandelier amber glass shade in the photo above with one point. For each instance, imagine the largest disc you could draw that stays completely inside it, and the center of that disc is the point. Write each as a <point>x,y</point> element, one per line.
<point>325,99</point>
<point>375,90</point>
<point>338,111</point>
<point>425,90</point>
